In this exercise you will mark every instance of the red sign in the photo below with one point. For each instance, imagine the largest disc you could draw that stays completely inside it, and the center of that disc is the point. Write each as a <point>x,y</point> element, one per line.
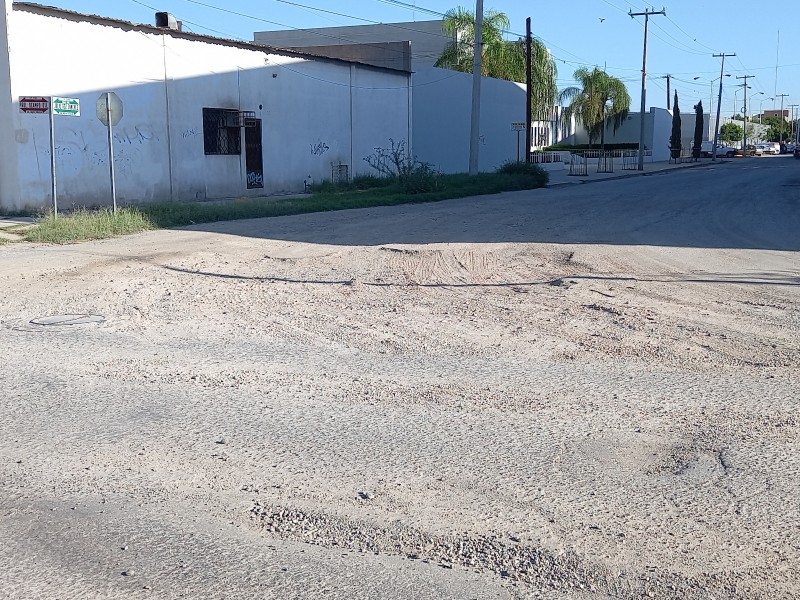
<point>34,105</point>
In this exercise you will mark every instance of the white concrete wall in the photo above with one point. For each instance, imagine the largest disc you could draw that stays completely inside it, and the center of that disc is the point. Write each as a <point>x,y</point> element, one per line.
<point>661,132</point>
<point>657,131</point>
<point>9,182</point>
<point>310,119</point>
<point>442,112</point>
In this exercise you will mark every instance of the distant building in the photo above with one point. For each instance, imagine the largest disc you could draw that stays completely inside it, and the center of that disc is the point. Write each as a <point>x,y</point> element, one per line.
<point>777,113</point>
<point>402,46</point>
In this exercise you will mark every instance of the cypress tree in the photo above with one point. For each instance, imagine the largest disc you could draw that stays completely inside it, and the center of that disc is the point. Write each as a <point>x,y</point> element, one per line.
<point>675,140</point>
<point>698,130</point>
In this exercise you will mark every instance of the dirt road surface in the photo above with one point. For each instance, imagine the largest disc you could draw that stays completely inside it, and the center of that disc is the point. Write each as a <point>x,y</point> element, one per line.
<point>585,392</point>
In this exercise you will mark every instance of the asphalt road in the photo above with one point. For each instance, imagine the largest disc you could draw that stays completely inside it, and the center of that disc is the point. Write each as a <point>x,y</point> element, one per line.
<point>583,392</point>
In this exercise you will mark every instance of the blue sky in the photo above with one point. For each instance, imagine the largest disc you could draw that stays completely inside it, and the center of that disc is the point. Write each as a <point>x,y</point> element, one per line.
<point>681,43</point>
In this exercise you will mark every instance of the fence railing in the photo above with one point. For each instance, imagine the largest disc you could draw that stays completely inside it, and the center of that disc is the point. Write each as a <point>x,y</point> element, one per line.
<point>578,164</point>
<point>549,157</point>
<point>605,162</point>
<point>630,160</point>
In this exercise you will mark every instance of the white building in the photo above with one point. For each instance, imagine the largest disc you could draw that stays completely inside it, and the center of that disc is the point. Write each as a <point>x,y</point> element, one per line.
<point>442,113</point>
<point>187,99</point>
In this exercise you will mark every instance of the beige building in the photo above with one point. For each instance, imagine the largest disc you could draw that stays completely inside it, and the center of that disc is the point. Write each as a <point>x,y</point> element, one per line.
<point>778,113</point>
<point>392,45</point>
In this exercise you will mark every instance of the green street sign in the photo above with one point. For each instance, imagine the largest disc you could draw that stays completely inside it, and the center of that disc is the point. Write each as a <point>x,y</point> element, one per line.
<point>67,107</point>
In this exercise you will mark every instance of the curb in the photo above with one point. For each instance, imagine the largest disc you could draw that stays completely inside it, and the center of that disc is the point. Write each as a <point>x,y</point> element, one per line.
<point>629,175</point>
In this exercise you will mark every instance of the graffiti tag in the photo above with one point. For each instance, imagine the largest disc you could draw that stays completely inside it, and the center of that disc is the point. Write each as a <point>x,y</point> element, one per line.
<point>255,180</point>
<point>319,148</point>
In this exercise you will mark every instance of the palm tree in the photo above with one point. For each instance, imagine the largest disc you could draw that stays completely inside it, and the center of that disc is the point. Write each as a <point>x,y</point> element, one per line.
<point>502,59</point>
<point>598,97</point>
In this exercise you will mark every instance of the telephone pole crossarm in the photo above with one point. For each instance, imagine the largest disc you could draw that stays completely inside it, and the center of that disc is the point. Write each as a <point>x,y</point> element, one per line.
<point>646,14</point>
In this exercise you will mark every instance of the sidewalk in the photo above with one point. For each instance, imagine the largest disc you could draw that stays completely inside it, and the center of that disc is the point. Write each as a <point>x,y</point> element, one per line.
<point>562,178</point>
<point>11,226</point>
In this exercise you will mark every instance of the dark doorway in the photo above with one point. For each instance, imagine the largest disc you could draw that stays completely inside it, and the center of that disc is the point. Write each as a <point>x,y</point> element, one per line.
<point>253,154</point>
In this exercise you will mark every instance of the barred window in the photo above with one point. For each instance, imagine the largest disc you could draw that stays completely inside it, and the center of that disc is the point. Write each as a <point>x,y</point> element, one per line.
<point>221,131</point>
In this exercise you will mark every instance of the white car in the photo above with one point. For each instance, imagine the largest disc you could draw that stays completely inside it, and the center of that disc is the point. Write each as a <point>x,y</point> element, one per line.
<point>772,148</point>
<point>722,150</point>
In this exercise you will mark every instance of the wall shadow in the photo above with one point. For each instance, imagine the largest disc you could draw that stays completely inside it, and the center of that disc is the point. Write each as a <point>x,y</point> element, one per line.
<point>730,208</point>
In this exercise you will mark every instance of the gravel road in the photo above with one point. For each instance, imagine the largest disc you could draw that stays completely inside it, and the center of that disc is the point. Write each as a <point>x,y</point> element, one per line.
<point>574,393</point>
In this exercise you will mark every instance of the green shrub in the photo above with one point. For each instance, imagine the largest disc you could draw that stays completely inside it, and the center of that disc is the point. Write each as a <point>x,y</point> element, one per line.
<point>535,172</point>
<point>421,179</point>
<point>368,182</point>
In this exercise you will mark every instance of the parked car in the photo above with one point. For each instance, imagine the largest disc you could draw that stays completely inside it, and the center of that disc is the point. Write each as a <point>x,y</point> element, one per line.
<point>751,150</point>
<point>722,150</point>
<point>772,148</point>
<point>762,149</point>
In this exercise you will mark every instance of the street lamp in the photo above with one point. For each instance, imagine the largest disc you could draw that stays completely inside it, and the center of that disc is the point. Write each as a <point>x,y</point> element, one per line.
<point>736,101</point>
<point>760,110</point>
<point>711,93</point>
<point>759,117</point>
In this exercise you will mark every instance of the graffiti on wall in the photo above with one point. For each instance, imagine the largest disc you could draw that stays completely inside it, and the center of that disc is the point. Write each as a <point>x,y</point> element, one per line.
<point>191,133</point>
<point>75,154</point>
<point>138,134</point>
<point>255,180</point>
<point>319,148</point>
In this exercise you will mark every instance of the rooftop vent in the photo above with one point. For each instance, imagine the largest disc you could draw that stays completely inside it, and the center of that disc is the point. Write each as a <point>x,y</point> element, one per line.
<point>167,20</point>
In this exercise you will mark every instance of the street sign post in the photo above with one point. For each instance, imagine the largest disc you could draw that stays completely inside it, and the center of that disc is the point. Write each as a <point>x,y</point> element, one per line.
<point>518,127</point>
<point>66,107</point>
<point>109,111</point>
<point>34,104</point>
<point>103,103</point>
<point>51,106</point>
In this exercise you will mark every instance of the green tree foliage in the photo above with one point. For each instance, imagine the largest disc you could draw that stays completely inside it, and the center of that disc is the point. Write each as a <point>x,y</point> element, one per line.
<point>699,124</point>
<point>501,59</point>
<point>675,138</point>
<point>730,132</point>
<point>598,97</point>
<point>779,129</point>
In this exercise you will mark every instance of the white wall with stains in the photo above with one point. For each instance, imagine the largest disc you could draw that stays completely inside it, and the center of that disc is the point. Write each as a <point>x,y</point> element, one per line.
<point>314,113</point>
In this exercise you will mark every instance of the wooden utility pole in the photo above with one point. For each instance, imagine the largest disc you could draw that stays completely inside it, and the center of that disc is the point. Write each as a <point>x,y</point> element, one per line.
<point>719,103</point>
<point>782,96</point>
<point>744,110</point>
<point>646,14</point>
<point>529,94</point>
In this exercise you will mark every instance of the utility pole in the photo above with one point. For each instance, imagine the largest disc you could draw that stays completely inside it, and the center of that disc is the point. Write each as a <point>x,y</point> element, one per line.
<point>477,75</point>
<point>744,141</point>
<point>793,106</point>
<point>782,96</point>
<point>669,97</point>
<point>646,14</point>
<point>719,104</point>
<point>529,93</point>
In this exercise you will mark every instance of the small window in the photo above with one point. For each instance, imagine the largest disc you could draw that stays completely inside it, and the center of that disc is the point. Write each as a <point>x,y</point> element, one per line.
<point>221,131</point>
